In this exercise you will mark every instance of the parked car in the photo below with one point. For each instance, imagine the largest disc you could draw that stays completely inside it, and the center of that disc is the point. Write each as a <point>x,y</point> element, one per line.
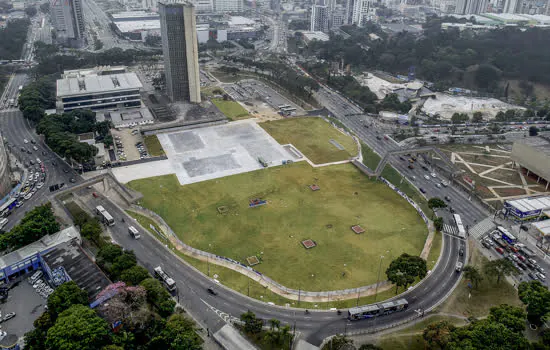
<point>426,177</point>
<point>447,198</point>
<point>500,250</point>
<point>8,316</point>
<point>433,175</point>
<point>532,276</point>
<point>422,190</point>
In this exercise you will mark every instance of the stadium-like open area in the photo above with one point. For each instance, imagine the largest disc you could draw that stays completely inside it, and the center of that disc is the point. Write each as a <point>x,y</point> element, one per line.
<point>301,235</point>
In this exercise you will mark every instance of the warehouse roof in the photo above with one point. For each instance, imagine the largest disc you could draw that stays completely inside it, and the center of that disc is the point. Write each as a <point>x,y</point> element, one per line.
<point>94,84</point>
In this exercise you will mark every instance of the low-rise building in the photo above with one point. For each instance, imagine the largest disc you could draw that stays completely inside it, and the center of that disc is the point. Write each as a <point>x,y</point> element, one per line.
<point>98,92</point>
<point>533,154</point>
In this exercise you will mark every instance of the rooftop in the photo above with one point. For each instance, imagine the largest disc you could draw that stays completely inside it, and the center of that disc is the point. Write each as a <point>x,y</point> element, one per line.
<point>240,21</point>
<point>133,26</point>
<point>41,245</point>
<point>133,14</point>
<point>531,203</point>
<point>538,143</point>
<point>100,70</point>
<point>543,227</point>
<point>94,84</point>
<point>315,35</point>
<point>78,265</point>
<point>130,117</point>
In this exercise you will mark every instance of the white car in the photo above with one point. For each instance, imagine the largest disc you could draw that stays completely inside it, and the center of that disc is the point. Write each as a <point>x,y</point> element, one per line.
<point>39,185</point>
<point>433,175</point>
<point>26,141</point>
<point>28,196</point>
<point>35,148</point>
<point>426,177</point>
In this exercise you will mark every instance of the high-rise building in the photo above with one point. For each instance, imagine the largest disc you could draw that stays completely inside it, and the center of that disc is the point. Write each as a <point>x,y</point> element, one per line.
<point>180,50</point>
<point>511,6</point>
<point>320,15</point>
<point>68,22</point>
<point>363,11</point>
<point>203,6</point>
<point>470,7</point>
<point>350,6</point>
<point>232,6</point>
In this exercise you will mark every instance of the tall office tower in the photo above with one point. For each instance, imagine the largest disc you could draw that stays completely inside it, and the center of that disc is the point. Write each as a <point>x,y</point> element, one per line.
<point>350,5</point>
<point>203,6</point>
<point>180,50</point>
<point>320,15</point>
<point>363,11</point>
<point>511,6</point>
<point>470,7</point>
<point>68,22</point>
<point>223,6</point>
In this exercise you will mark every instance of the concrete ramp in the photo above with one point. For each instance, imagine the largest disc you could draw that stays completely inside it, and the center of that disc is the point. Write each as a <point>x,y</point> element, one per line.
<point>229,338</point>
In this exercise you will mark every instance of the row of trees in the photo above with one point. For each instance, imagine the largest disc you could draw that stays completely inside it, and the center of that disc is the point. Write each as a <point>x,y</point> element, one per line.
<point>37,223</point>
<point>60,133</point>
<point>277,337</point>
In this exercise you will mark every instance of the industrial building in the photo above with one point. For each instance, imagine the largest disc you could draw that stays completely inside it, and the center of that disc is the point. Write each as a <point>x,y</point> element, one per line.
<point>59,253</point>
<point>68,22</point>
<point>527,209</point>
<point>5,178</point>
<point>533,154</point>
<point>180,51</point>
<point>98,89</point>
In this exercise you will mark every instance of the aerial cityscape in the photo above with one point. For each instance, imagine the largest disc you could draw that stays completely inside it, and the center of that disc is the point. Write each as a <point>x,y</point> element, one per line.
<point>274,174</point>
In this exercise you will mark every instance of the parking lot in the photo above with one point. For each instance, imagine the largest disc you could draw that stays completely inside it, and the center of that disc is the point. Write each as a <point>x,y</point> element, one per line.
<point>125,144</point>
<point>27,304</point>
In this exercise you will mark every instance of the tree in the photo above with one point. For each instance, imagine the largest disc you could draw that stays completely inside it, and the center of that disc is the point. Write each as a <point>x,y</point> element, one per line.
<point>78,328</point>
<point>436,202</point>
<point>537,298</point>
<point>459,118</point>
<point>91,230</point>
<point>533,131</point>
<point>65,296</point>
<point>438,223</point>
<point>499,268</point>
<point>486,334</point>
<point>486,76</point>
<point>472,273</point>
<point>477,117</point>
<point>31,11</point>
<point>134,275</point>
<point>158,296</point>
<point>512,317</point>
<point>338,342</point>
<point>179,334</point>
<point>252,325</point>
<point>405,269</point>
<point>438,334</point>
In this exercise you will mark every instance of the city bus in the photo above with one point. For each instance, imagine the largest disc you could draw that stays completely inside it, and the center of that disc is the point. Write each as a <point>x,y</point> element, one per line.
<point>133,232</point>
<point>458,222</point>
<point>283,106</point>
<point>7,207</point>
<point>168,282</point>
<point>506,235</point>
<point>288,109</point>
<point>105,216</point>
<point>375,310</point>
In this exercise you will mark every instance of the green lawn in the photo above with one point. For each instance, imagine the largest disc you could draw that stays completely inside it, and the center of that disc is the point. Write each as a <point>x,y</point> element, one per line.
<point>153,145</point>
<point>312,137</point>
<point>293,213</point>
<point>231,109</point>
<point>435,251</point>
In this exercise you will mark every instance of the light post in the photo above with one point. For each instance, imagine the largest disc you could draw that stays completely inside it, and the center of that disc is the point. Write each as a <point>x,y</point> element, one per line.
<point>378,280</point>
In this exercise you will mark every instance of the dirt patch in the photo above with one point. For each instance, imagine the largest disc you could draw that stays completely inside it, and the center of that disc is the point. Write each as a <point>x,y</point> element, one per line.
<point>508,192</point>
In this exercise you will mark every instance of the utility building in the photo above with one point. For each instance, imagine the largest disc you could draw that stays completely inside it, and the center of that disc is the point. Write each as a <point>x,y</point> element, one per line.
<point>180,50</point>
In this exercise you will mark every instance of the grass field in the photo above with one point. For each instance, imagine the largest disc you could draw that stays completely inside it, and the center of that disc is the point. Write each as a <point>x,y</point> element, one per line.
<point>312,137</point>
<point>294,213</point>
<point>153,145</point>
<point>251,288</point>
<point>231,109</point>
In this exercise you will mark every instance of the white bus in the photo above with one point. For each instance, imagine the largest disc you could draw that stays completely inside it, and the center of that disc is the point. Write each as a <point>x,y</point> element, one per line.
<point>283,106</point>
<point>458,222</point>
<point>506,235</point>
<point>105,216</point>
<point>133,232</point>
<point>168,282</point>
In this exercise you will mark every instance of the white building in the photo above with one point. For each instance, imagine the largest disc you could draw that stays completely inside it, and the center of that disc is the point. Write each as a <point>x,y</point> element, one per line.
<point>98,92</point>
<point>228,6</point>
<point>470,7</point>
<point>363,11</point>
<point>320,15</point>
<point>510,6</point>
<point>204,6</point>
<point>68,22</point>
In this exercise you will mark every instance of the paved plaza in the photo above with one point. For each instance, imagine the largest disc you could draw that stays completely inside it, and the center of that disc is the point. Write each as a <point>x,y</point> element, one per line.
<point>211,152</point>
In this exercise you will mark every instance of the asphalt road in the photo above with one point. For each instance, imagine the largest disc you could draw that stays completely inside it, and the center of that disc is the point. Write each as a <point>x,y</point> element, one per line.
<point>314,326</point>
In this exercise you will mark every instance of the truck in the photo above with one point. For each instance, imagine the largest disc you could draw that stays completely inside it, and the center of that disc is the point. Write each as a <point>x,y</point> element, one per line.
<point>527,252</point>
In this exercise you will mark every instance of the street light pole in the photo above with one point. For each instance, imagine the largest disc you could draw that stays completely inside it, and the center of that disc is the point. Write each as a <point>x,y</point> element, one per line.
<point>378,280</point>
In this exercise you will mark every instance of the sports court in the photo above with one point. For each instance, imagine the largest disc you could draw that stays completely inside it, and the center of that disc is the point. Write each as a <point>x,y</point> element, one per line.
<point>218,151</point>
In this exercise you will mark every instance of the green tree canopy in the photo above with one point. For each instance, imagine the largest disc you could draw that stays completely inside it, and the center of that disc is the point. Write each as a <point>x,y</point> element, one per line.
<point>65,296</point>
<point>178,334</point>
<point>499,268</point>
<point>404,270</point>
<point>512,317</point>
<point>472,273</point>
<point>436,202</point>
<point>537,298</point>
<point>78,328</point>
<point>486,334</point>
<point>438,334</point>
<point>134,275</point>
<point>158,296</point>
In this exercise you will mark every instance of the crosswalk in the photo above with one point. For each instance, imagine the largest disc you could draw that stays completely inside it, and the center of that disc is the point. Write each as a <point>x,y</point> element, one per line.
<point>450,229</point>
<point>482,227</point>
